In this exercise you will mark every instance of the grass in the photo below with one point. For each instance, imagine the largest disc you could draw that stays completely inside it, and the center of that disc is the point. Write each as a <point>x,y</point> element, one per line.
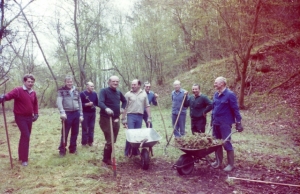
<point>48,173</point>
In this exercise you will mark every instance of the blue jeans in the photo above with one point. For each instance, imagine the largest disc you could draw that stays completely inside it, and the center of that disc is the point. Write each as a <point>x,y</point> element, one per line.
<point>221,132</point>
<point>180,126</point>
<point>72,122</point>
<point>134,121</point>
<point>88,126</point>
<point>25,124</point>
<point>145,117</point>
<point>198,124</point>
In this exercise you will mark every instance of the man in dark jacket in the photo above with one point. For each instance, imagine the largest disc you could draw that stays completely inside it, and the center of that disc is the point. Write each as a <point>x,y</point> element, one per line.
<point>199,105</point>
<point>109,102</point>
<point>25,111</point>
<point>89,100</point>
<point>225,112</point>
<point>70,109</point>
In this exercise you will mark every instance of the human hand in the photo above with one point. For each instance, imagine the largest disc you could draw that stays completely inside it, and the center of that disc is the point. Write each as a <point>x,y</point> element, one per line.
<point>89,104</point>
<point>121,110</point>
<point>239,127</point>
<point>109,111</point>
<point>2,98</point>
<point>149,120</point>
<point>63,116</point>
<point>81,119</point>
<point>186,93</point>
<point>124,121</point>
<point>35,117</point>
<point>156,95</point>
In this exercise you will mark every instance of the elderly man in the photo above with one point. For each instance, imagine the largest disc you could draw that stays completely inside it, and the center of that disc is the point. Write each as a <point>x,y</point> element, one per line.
<point>25,111</point>
<point>152,100</point>
<point>137,101</point>
<point>178,95</point>
<point>89,100</point>
<point>109,102</point>
<point>200,105</point>
<point>225,112</point>
<point>70,109</point>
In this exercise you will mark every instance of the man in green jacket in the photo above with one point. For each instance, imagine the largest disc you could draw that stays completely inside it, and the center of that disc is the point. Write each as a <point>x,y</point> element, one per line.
<point>199,105</point>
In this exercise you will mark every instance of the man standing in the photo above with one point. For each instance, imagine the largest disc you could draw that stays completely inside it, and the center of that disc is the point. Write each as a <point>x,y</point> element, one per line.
<point>225,112</point>
<point>25,111</point>
<point>70,109</point>
<point>137,101</point>
<point>178,95</point>
<point>109,102</point>
<point>200,105</point>
<point>152,100</point>
<point>89,101</point>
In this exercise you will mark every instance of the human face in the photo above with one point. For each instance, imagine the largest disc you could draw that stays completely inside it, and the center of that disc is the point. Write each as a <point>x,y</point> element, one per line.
<point>69,83</point>
<point>196,90</point>
<point>90,87</point>
<point>29,83</point>
<point>177,87</point>
<point>113,82</point>
<point>135,86</point>
<point>219,85</point>
<point>147,88</point>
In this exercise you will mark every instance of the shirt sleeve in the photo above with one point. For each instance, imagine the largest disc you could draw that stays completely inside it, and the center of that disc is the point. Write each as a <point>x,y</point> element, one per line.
<point>102,99</point>
<point>234,107</point>
<point>59,103</point>
<point>208,103</point>
<point>80,106</point>
<point>123,100</point>
<point>35,105</point>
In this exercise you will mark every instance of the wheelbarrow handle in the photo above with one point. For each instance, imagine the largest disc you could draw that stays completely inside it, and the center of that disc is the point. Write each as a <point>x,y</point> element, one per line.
<point>226,139</point>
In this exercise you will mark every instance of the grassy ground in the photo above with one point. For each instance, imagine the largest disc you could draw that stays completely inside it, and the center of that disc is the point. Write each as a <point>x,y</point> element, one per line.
<point>264,144</point>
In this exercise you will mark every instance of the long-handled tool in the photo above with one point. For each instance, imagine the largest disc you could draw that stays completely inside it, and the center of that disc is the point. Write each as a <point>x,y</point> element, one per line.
<point>174,127</point>
<point>63,134</point>
<point>7,137</point>
<point>114,166</point>
<point>162,120</point>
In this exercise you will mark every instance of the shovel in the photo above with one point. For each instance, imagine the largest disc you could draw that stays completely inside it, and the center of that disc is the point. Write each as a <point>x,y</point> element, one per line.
<point>114,166</point>
<point>7,137</point>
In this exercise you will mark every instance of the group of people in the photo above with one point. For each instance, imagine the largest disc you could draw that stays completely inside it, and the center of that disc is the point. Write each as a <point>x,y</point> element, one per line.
<point>77,107</point>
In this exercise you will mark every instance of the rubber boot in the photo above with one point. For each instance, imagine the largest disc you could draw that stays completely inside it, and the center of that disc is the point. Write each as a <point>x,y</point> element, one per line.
<point>230,158</point>
<point>219,158</point>
<point>107,156</point>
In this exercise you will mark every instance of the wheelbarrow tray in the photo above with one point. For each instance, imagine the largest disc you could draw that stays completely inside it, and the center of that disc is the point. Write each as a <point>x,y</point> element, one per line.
<point>200,153</point>
<point>148,137</point>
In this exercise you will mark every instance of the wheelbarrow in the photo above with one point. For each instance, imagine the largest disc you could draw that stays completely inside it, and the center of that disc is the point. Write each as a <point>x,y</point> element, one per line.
<point>143,139</point>
<point>185,163</point>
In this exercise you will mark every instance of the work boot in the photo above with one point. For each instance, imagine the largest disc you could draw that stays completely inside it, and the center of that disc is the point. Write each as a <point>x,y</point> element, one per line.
<point>219,158</point>
<point>107,156</point>
<point>230,158</point>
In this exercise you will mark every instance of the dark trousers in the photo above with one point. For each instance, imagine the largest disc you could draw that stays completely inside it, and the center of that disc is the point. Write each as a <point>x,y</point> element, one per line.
<point>105,127</point>
<point>25,125</point>
<point>72,122</point>
<point>222,131</point>
<point>198,124</point>
<point>145,118</point>
<point>88,126</point>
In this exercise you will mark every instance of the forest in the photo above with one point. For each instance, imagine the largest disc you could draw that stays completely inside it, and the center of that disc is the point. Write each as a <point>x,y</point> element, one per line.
<point>254,44</point>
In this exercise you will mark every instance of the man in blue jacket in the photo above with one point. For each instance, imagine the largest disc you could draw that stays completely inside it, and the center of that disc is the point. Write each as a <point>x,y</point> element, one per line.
<point>152,100</point>
<point>178,96</point>
<point>225,112</point>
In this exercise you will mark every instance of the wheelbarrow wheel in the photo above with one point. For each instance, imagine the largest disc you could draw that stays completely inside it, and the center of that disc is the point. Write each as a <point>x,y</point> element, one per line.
<point>185,164</point>
<point>145,159</point>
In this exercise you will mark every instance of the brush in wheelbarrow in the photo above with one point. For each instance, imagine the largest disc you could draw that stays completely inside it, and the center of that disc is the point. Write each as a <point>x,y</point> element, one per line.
<point>197,147</point>
<point>144,138</point>
<point>185,163</point>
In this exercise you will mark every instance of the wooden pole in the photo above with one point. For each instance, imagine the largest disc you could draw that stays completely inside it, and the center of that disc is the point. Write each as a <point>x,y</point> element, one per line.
<point>266,182</point>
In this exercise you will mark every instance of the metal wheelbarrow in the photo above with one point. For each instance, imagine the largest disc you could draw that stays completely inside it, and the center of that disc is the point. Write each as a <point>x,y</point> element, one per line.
<point>145,139</point>
<point>185,163</point>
